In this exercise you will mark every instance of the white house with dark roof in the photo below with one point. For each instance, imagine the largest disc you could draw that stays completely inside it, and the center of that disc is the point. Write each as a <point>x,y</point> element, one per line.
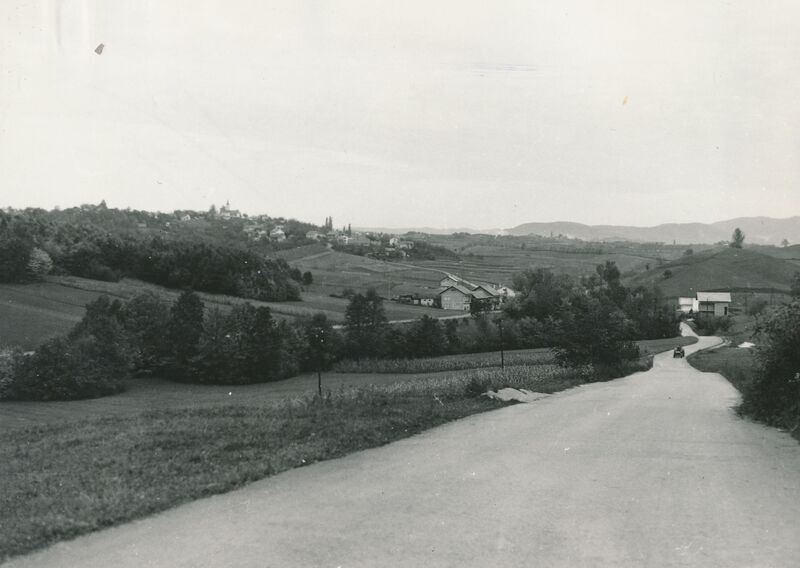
<point>713,303</point>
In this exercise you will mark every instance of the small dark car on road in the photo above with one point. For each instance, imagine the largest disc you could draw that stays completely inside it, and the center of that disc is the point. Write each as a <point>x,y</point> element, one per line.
<point>677,352</point>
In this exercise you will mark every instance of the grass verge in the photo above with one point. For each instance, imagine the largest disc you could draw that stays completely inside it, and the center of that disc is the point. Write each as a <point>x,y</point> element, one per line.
<point>740,368</point>
<point>735,364</point>
<point>66,480</point>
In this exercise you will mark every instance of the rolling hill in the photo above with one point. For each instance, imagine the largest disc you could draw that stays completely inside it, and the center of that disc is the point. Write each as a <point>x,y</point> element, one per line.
<point>721,268</point>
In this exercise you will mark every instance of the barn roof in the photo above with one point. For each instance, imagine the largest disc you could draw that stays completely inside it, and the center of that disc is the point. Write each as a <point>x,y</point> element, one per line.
<point>489,289</point>
<point>714,297</point>
<point>461,289</point>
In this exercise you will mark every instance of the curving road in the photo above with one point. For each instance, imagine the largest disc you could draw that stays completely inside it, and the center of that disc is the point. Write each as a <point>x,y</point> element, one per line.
<point>651,470</point>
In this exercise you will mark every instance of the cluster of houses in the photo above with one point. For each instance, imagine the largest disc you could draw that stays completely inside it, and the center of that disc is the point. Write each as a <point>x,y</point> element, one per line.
<point>706,303</point>
<point>340,237</point>
<point>456,293</point>
<point>378,245</point>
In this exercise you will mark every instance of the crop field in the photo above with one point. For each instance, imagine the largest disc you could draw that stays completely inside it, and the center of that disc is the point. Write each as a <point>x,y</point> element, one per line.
<point>518,357</point>
<point>143,394</point>
<point>514,358</point>
<point>500,268</point>
<point>335,308</point>
<point>335,271</point>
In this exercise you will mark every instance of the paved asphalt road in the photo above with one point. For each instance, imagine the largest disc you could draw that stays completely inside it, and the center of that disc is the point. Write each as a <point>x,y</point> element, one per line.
<point>651,470</point>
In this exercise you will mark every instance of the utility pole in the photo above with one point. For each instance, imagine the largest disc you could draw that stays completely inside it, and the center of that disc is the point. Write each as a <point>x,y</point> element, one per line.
<point>502,355</point>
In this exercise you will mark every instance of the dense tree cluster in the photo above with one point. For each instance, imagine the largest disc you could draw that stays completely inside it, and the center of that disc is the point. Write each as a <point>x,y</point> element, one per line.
<point>593,320</point>
<point>104,244</point>
<point>182,341</point>
<point>367,335</point>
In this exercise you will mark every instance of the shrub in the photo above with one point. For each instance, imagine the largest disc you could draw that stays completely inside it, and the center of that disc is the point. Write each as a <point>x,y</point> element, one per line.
<point>711,325</point>
<point>89,362</point>
<point>477,385</point>
<point>8,360</point>
<point>39,264</point>
<point>245,346</point>
<point>145,318</point>
<point>592,332</point>
<point>774,395</point>
<point>66,369</point>
<point>14,255</point>
<point>756,306</point>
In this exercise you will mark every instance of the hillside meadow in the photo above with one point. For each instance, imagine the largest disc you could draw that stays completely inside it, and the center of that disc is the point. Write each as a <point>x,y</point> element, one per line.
<point>721,268</point>
<point>32,313</point>
<point>482,258</point>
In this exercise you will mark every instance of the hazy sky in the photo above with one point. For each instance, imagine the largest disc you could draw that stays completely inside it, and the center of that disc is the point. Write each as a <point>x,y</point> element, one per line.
<point>448,114</point>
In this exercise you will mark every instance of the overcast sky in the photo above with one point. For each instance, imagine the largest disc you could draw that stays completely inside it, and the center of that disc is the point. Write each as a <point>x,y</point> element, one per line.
<point>448,114</point>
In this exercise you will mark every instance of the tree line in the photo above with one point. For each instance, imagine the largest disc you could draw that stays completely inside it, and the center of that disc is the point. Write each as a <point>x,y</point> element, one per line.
<point>33,244</point>
<point>592,320</point>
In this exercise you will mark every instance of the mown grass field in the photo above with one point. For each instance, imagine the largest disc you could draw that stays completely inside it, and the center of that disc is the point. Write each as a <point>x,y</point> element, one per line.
<point>71,478</point>
<point>32,313</point>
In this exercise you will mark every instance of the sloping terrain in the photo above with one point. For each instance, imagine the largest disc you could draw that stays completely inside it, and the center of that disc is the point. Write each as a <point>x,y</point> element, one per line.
<point>789,253</point>
<point>33,313</point>
<point>723,268</point>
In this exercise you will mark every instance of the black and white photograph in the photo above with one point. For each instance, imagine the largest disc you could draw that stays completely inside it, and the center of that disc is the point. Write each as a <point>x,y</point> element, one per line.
<point>366,284</point>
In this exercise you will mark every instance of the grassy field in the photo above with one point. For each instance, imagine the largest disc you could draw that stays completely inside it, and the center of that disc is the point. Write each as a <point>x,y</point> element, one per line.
<point>335,271</point>
<point>71,478</point>
<point>32,313</point>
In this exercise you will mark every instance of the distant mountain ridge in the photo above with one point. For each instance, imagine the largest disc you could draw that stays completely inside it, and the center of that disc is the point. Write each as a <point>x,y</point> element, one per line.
<point>758,230</point>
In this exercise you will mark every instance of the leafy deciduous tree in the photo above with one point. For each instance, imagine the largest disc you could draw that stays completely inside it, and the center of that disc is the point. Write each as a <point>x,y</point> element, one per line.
<point>737,238</point>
